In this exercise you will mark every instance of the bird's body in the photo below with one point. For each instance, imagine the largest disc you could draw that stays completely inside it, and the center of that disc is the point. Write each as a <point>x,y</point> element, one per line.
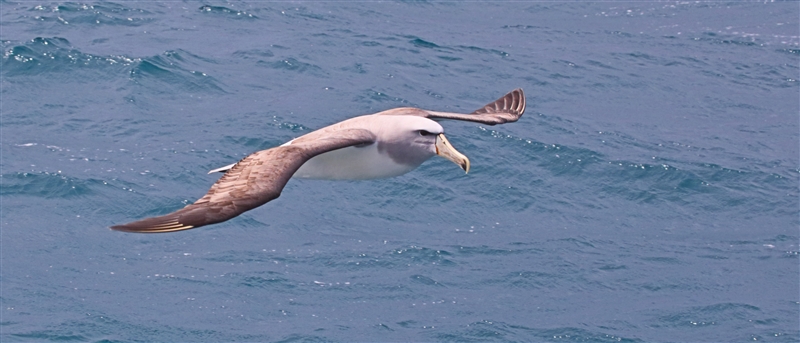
<point>380,145</point>
<point>388,157</point>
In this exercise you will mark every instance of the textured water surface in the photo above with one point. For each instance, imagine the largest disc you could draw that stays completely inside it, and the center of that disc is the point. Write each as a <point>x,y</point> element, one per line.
<point>649,193</point>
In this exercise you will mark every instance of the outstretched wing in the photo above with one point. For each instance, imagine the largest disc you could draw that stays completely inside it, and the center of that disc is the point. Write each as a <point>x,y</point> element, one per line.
<point>507,109</point>
<point>252,182</point>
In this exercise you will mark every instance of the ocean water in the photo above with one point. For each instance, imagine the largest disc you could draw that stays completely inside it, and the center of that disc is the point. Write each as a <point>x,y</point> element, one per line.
<point>649,193</point>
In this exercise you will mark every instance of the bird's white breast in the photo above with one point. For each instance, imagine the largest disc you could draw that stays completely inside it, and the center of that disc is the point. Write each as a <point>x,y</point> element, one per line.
<point>352,163</point>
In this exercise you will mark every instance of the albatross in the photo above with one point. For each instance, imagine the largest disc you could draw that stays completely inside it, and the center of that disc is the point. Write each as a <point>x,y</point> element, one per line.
<point>380,145</point>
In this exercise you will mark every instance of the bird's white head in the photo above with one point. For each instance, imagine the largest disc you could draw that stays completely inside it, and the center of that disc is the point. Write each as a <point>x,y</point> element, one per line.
<point>412,140</point>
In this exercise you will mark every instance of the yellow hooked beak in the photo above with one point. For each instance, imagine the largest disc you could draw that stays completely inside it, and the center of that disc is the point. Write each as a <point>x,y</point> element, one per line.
<point>446,150</point>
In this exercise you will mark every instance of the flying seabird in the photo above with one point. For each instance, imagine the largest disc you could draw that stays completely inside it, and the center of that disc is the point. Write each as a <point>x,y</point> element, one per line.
<point>380,145</point>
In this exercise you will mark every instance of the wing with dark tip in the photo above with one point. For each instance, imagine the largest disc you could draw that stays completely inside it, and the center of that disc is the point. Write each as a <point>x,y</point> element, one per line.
<point>507,109</point>
<point>252,182</point>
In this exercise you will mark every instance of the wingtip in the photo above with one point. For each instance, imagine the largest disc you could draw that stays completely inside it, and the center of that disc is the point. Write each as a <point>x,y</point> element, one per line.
<point>521,102</point>
<point>513,103</point>
<point>168,223</point>
<point>122,228</point>
<point>149,229</point>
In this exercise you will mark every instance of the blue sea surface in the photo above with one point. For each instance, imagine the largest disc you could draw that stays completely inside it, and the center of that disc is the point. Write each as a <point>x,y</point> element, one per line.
<point>649,193</point>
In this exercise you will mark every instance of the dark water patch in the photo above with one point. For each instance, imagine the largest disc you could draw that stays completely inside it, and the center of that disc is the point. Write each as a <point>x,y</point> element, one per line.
<point>276,122</point>
<point>561,160</point>
<point>174,69</point>
<point>370,43</point>
<point>56,55</point>
<point>226,12</point>
<point>408,323</point>
<point>762,76</point>
<point>580,242</point>
<point>709,186</point>
<point>298,338</point>
<point>433,94</point>
<point>412,194</point>
<point>418,64</point>
<point>267,280</point>
<point>422,256</point>
<point>555,77</point>
<point>50,336</point>
<point>671,181</point>
<point>173,280</point>
<point>713,74</point>
<point>427,281</point>
<point>293,127</point>
<point>46,185</point>
<point>449,58</point>
<point>480,50</point>
<point>784,238</point>
<point>255,143</point>
<point>304,13</point>
<point>498,331</point>
<point>396,259</point>
<point>612,267</point>
<point>621,34</point>
<point>599,64</point>
<point>714,38</point>
<point>88,15</point>
<point>663,182</point>
<point>391,38</point>
<point>531,280</point>
<point>611,82</point>
<point>293,65</point>
<point>417,2</point>
<point>357,68</point>
<point>242,257</point>
<point>641,58</point>
<point>666,286</point>
<point>710,315</point>
<point>375,97</point>
<point>421,43</point>
<point>692,61</point>
<point>253,54</point>
<point>415,45</point>
<point>571,334</point>
<point>647,183</point>
<point>488,251</point>
<point>569,64</point>
<point>482,331</point>
<point>357,262</point>
<point>389,214</point>
<point>96,327</point>
<point>713,257</point>
<point>524,27</point>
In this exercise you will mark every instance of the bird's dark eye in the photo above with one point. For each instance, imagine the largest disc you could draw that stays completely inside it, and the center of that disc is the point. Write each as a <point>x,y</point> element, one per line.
<point>424,133</point>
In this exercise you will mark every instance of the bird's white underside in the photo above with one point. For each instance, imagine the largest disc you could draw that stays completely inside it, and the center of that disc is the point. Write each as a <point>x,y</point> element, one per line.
<point>352,163</point>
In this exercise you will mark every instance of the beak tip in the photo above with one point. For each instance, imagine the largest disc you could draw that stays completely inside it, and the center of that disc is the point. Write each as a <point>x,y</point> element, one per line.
<point>444,149</point>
